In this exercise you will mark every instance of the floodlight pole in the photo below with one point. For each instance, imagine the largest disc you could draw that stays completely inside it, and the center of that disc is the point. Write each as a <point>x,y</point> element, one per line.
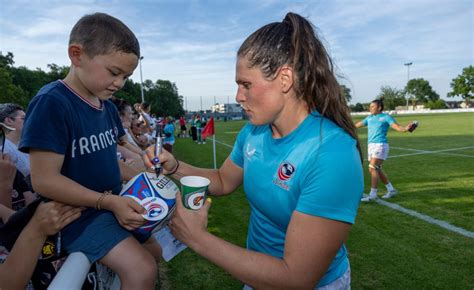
<point>408,64</point>
<point>141,79</point>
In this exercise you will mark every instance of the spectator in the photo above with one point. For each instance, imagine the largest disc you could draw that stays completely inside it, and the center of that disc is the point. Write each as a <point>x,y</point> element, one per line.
<point>47,220</point>
<point>182,125</point>
<point>13,116</point>
<point>169,140</point>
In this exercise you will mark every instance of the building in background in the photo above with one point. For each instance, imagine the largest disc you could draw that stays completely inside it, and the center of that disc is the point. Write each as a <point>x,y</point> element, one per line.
<point>226,108</point>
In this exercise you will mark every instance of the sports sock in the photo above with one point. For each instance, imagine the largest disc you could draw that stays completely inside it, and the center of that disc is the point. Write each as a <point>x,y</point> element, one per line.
<point>389,186</point>
<point>373,192</point>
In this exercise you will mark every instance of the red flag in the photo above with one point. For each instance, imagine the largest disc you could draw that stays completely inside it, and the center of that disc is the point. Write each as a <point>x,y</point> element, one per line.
<point>209,129</point>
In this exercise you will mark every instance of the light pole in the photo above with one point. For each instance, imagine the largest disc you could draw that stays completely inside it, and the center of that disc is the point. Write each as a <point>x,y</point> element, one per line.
<point>141,79</point>
<point>408,64</point>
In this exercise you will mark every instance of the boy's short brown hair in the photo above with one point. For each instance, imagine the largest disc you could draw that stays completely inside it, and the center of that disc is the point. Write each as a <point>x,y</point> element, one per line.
<point>100,33</point>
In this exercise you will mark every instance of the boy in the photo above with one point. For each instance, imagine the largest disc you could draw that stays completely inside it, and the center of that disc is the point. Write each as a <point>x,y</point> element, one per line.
<point>71,132</point>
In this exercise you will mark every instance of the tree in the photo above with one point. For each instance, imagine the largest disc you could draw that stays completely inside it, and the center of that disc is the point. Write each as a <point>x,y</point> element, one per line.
<point>346,93</point>
<point>20,85</point>
<point>10,93</point>
<point>357,108</point>
<point>438,104</point>
<point>391,97</point>
<point>6,60</point>
<point>420,91</point>
<point>463,84</point>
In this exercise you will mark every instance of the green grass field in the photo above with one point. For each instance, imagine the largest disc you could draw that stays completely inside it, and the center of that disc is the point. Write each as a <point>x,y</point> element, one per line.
<point>433,168</point>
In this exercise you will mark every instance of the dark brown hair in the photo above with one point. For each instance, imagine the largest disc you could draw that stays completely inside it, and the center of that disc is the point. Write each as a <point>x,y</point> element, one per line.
<point>293,42</point>
<point>100,33</point>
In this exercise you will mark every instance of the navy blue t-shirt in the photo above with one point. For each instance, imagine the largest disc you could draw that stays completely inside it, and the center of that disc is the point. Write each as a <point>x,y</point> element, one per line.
<point>61,121</point>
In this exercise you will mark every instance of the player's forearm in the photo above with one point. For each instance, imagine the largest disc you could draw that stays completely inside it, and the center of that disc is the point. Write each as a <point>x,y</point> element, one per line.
<point>18,268</point>
<point>258,270</point>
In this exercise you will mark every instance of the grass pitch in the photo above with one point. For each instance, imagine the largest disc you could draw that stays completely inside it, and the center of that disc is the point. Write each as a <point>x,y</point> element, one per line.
<point>433,168</point>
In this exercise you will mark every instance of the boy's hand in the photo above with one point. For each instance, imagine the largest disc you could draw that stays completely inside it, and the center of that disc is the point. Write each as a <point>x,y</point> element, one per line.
<point>127,211</point>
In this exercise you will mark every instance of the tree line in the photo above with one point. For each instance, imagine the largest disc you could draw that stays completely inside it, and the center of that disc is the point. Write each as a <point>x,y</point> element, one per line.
<point>20,84</point>
<point>419,92</point>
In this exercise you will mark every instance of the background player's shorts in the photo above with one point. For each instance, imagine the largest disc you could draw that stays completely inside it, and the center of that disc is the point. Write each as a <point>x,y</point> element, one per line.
<point>378,150</point>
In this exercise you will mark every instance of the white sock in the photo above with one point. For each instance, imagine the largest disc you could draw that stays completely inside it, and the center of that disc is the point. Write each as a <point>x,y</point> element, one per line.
<point>373,192</point>
<point>389,186</point>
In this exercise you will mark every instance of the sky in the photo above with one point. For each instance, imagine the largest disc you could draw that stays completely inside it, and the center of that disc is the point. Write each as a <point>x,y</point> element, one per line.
<point>194,43</point>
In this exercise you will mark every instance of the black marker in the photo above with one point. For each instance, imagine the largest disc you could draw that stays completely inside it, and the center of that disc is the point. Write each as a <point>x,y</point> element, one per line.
<point>158,148</point>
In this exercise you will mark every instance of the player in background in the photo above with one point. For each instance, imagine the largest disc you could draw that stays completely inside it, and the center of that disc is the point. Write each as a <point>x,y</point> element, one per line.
<point>378,124</point>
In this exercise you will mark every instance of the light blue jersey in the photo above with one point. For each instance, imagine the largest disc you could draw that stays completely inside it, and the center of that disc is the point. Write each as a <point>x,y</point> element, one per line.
<point>378,127</point>
<point>313,170</point>
<point>169,132</point>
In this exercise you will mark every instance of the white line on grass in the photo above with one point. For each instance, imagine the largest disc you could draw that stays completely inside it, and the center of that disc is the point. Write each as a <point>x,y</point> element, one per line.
<point>428,219</point>
<point>410,212</point>
<point>225,144</point>
<point>421,152</point>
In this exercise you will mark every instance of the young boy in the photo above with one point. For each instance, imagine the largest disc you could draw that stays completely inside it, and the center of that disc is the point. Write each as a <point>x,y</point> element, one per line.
<point>71,132</point>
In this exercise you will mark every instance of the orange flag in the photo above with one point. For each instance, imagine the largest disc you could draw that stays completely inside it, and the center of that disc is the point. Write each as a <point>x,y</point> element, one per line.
<point>209,129</point>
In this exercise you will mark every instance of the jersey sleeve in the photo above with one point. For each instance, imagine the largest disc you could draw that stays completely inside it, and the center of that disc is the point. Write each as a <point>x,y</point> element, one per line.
<point>333,181</point>
<point>237,152</point>
<point>365,122</point>
<point>45,126</point>
<point>390,120</point>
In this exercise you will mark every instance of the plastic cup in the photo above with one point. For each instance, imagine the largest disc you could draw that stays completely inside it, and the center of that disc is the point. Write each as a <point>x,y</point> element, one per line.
<point>194,191</point>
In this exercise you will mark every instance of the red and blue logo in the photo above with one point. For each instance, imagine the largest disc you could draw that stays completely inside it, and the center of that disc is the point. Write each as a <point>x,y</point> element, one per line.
<point>285,171</point>
<point>154,210</point>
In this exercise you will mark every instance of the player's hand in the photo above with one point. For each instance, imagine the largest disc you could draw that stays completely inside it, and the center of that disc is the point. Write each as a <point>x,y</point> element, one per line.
<point>412,126</point>
<point>127,211</point>
<point>188,225</point>
<point>167,160</point>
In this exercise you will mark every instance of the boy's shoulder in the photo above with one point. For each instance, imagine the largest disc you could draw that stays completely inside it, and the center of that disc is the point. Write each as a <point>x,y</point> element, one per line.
<point>54,87</point>
<point>53,92</point>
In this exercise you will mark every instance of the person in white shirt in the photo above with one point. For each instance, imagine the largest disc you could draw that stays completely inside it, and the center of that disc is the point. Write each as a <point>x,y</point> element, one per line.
<point>13,116</point>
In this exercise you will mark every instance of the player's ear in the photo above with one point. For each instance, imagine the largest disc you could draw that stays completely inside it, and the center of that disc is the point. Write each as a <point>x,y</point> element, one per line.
<point>75,52</point>
<point>286,78</point>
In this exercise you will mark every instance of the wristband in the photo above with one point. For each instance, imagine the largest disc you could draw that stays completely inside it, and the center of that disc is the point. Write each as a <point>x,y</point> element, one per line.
<point>176,169</point>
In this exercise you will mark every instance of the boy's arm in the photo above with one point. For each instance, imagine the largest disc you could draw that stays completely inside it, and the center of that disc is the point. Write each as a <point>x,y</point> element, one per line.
<point>47,180</point>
